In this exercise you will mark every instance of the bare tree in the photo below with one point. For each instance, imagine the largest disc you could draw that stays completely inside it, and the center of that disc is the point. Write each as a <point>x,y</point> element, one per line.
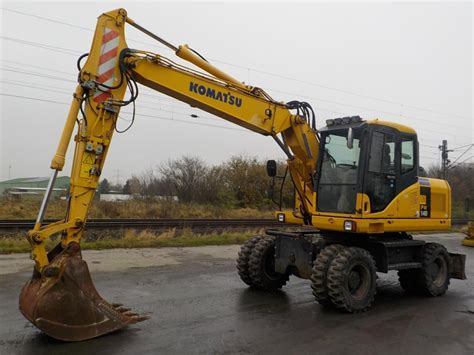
<point>187,175</point>
<point>147,181</point>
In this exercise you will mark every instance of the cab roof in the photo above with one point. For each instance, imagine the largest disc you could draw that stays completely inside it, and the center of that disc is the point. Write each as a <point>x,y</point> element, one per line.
<point>398,126</point>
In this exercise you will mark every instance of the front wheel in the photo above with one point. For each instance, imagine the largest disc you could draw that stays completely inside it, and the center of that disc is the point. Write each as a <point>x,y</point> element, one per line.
<point>352,280</point>
<point>262,266</point>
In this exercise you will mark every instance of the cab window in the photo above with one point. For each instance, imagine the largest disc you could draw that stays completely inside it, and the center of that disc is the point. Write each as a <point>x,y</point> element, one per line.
<point>407,156</point>
<point>380,179</point>
<point>382,154</point>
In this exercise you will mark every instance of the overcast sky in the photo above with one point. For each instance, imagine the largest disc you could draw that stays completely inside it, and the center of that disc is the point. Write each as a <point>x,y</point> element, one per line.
<point>406,62</point>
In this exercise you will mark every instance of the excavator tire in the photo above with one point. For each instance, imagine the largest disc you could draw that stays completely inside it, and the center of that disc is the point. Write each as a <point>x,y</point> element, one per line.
<point>262,266</point>
<point>351,280</point>
<point>320,274</point>
<point>433,277</point>
<point>244,257</point>
<point>436,270</point>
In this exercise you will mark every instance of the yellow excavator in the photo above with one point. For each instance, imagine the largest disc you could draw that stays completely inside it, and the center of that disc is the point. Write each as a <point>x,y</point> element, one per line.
<point>357,191</point>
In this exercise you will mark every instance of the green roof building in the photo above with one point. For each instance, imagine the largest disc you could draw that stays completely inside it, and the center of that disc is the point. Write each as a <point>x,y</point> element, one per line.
<point>33,186</point>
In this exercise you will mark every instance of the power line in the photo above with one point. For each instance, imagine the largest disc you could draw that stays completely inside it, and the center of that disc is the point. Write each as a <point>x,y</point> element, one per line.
<point>362,107</point>
<point>157,117</point>
<point>42,45</point>
<point>289,93</point>
<point>153,116</point>
<point>36,74</point>
<point>34,98</point>
<point>347,92</point>
<point>461,162</point>
<point>50,89</point>
<point>34,66</point>
<point>463,146</point>
<point>46,19</point>
<point>142,106</point>
<point>128,113</point>
<point>459,157</point>
<point>154,96</point>
<point>72,25</point>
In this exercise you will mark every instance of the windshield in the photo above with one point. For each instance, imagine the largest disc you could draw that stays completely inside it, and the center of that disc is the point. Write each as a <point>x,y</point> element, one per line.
<point>338,176</point>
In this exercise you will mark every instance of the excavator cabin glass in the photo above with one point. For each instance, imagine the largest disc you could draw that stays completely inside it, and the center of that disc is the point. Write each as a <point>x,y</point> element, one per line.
<point>337,187</point>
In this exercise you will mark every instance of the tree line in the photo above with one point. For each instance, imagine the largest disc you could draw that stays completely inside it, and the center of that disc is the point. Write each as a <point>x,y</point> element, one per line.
<point>241,181</point>
<point>238,182</point>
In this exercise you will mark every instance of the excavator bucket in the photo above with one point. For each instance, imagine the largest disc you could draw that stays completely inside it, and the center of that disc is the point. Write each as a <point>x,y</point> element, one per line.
<point>64,304</point>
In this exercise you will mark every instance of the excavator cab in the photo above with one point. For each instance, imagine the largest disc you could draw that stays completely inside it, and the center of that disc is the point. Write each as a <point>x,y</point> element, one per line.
<point>374,159</point>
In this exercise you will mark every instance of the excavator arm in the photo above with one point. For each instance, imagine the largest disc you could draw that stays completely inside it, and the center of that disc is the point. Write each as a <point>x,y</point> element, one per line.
<point>61,279</point>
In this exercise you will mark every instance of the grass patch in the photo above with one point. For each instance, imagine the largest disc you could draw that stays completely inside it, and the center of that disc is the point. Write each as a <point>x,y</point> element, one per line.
<point>137,239</point>
<point>27,208</point>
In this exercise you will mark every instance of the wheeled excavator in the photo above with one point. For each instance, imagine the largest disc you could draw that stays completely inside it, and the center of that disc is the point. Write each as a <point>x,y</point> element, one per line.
<point>357,191</point>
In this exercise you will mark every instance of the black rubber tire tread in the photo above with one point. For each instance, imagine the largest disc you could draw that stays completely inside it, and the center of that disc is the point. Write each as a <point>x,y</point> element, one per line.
<point>337,280</point>
<point>320,274</point>
<point>243,259</point>
<point>410,280</point>
<point>430,253</point>
<point>265,247</point>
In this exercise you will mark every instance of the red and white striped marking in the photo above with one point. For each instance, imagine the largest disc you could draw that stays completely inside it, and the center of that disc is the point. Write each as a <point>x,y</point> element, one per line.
<point>107,62</point>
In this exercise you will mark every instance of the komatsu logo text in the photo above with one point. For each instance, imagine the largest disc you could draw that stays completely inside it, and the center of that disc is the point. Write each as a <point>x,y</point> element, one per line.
<point>217,95</point>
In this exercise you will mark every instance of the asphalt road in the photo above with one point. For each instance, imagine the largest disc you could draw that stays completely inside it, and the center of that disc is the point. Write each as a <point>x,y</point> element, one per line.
<point>199,305</point>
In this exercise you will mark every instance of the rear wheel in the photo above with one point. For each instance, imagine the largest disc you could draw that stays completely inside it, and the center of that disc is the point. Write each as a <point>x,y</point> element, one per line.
<point>352,280</point>
<point>432,279</point>
<point>243,259</point>
<point>436,270</point>
<point>320,273</point>
<point>262,266</point>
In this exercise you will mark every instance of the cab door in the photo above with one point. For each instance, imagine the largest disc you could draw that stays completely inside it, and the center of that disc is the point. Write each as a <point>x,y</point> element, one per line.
<point>391,174</point>
<point>380,180</point>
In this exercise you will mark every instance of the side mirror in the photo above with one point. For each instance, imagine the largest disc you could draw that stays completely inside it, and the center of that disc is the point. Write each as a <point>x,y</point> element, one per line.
<point>271,168</point>
<point>350,138</point>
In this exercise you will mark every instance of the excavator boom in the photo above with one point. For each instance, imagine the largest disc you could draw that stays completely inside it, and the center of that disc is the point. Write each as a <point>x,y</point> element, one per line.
<point>60,299</point>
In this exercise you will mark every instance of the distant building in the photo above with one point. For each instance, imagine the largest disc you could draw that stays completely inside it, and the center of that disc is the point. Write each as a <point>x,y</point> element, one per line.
<point>33,186</point>
<point>115,197</point>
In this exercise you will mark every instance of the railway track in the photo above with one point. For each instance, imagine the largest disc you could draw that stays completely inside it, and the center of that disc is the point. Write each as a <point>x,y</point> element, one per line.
<point>191,223</point>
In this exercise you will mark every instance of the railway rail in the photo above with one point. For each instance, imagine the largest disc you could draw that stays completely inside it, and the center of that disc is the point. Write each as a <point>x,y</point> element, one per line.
<point>191,223</point>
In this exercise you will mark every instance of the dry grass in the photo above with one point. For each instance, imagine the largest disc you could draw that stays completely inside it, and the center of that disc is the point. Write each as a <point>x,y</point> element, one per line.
<point>17,243</point>
<point>28,208</point>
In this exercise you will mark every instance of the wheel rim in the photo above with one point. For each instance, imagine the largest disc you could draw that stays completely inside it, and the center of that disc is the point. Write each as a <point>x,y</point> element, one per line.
<point>438,271</point>
<point>269,265</point>
<point>358,281</point>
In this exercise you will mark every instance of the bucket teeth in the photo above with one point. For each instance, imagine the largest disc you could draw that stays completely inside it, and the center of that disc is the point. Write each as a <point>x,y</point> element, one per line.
<point>67,306</point>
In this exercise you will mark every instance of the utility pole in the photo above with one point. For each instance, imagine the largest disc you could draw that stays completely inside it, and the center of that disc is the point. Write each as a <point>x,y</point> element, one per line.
<point>117,177</point>
<point>444,157</point>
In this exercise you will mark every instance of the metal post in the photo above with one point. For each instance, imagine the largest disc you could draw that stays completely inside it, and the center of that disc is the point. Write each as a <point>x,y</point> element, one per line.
<point>47,195</point>
<point>444,158</point>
